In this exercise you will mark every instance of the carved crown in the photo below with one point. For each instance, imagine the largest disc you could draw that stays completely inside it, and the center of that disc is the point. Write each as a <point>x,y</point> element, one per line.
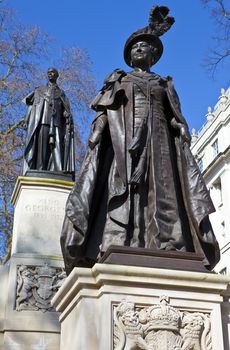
<point>45,271</point>
<point>164,316</point>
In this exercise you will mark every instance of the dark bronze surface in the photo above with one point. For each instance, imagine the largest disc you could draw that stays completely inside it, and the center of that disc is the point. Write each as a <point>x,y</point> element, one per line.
<point>50,132</point>
<point>139,185</point>
<point>55,175</point>
<point>172,260</point>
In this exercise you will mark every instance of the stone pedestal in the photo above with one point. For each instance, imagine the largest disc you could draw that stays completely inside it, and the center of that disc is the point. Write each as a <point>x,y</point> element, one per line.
<point>38,216</point>
<point>35,271</point>
<point>129,307</point>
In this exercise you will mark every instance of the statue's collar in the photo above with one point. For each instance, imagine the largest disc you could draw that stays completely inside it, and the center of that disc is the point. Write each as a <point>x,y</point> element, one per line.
<point>52,85</point>
<point>144,75</point>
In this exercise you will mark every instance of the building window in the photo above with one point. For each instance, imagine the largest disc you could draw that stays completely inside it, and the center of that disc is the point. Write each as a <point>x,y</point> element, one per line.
<point>200,164</point>
<point>215,148</point>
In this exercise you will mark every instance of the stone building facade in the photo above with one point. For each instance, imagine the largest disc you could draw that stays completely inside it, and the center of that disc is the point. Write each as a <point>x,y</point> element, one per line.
<point>211,147</point>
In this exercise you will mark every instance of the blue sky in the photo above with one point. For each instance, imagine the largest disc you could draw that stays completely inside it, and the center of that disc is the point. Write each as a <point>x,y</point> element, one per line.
<point>103,26</point>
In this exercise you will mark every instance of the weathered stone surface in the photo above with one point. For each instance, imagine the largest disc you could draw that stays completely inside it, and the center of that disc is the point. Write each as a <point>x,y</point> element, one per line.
<point>31,341</point>
<point>36,286</point>
<point>110,305</point>
<point>39,212</point>
<point>35,271</point>
<point>26,316</point>
<point>160,327</point>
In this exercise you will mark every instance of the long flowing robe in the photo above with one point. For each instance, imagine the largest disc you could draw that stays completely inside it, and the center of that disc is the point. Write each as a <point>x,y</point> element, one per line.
<point>44,151</point>
<point>140,189</point>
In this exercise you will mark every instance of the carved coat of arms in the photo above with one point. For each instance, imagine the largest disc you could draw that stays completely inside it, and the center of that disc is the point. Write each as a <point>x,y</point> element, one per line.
<point>160,327</point>
<point>36,287</point>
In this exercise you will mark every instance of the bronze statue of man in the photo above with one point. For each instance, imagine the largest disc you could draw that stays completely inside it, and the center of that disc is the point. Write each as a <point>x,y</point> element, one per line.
<point>49,123</point>
<point>139,184</point>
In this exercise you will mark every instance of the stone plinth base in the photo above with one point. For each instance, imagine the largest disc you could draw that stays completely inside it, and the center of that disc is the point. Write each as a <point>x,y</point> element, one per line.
<point>39,214</point>
<point>35,271</point>
<point>27,319</point>
<point>128,307</point>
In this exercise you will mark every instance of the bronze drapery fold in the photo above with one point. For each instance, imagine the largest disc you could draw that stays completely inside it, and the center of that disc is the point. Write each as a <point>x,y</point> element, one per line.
<point>167,209</point>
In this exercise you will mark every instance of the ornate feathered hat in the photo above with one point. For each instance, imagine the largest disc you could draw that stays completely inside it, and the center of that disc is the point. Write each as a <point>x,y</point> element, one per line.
<point>159,23</point>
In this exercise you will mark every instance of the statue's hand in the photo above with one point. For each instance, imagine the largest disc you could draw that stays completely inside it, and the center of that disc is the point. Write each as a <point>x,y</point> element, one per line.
<point>97,130</point>
<point>23,124</point>
<point>93,141</point>
<point>184,134</point>
<point>67,116</point>
<point>94,138</point>
<point>91,144</point>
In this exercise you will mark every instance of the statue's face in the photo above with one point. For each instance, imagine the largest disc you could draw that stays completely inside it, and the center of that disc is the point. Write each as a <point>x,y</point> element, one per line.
<point>141,55</point>
<point>52,75</point>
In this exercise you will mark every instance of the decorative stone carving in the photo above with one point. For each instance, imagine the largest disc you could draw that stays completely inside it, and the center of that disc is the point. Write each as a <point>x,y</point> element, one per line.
<point>128,332</point>
<point>223,97</point>
<point>160,327</point>
<point>36,286</point>
<point>194,135</point>
<point>210,116</point>
<point>195,329</point>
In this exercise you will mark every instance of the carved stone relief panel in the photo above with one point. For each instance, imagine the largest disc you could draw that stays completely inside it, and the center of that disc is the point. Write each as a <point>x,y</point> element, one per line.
<point>159,327</point>
<point>36,285</point>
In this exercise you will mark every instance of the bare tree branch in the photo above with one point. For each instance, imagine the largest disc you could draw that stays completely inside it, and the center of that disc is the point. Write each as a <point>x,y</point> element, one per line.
<point>23,53</point>
<point>220,54</point>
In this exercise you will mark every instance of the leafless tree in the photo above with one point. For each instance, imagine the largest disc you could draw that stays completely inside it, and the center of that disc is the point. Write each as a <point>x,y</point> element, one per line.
<point>75,78</point>
<point>220,11</point>
<point>24,59</point>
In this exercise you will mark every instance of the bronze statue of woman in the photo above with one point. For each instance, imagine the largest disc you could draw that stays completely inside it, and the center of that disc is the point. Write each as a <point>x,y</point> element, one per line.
<point>139,184</point>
